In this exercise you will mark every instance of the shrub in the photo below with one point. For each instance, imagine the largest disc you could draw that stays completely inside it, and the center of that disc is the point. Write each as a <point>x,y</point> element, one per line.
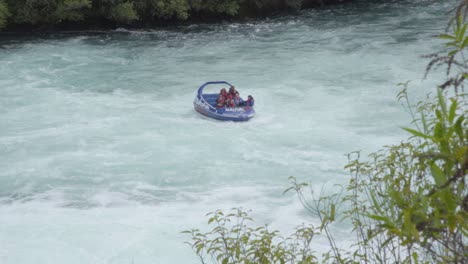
<point>4,14</point>
<point>123,13</point>
<point>232,241</point>
<point>71,10</point>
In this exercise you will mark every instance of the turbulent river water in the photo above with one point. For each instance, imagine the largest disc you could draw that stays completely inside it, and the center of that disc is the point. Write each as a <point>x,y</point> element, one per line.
<point>104,160</point>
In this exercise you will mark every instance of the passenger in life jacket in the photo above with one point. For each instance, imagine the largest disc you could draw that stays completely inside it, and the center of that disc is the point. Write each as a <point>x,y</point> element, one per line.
<point>235,96</point>
<point>233,91</point>
<point>222,97</point>
<point>220,103</point>
<point>223,94</point>
<point>237,99</point>
<point>250,101</point>
<point>230,101</point>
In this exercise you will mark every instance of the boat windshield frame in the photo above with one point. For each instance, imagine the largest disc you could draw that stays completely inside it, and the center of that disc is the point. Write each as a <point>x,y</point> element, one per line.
<point>200,91</point>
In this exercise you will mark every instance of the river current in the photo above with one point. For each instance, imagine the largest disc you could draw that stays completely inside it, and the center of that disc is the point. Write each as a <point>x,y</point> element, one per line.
<point>104,160</point>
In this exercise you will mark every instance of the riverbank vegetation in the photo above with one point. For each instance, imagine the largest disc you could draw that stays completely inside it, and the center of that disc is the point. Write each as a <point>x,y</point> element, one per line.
<point>113,13</point>
<point>407,203</point>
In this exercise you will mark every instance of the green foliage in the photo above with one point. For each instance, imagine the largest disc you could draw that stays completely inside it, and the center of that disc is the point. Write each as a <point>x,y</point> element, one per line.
<point>51,12</point>
<point>453,57</point>
<point>71,10</point>
<point>285,4</point>
<point>47,11</point>
<point>228,7</point>
<point>163,9</point>
<point>414,194</point>
<point>232,241</point>
<point>325,209</point>
<point>409,202</point>
<point>32,11</point>
<point>123,13</point>
<point>4,14</point>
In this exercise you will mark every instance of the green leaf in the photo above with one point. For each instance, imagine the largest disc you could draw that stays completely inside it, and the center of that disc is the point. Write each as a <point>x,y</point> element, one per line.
<point>452,44</point>
<point>438,131</point>
<point>408,224</point>
<point>199,248</point>
<point>379,218</point>
<point>441,98</point>
<point>451,223</point>
<point>459,127</point>
<point>416,133</point>
<point>461,34</point>
<point>324,223</point>
<point>375,203</point>
<point>415,257</point>
<point>437,174</point>
<point>452,110</point>
<point>439,114</point>
<point>446,36</point>
<point>424,123</point>
<point>452,53</point>
<point>465,42</point>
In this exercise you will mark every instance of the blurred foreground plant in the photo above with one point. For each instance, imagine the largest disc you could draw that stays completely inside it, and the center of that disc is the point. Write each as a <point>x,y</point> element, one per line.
<point>409,202</point>
<point>232,241</point>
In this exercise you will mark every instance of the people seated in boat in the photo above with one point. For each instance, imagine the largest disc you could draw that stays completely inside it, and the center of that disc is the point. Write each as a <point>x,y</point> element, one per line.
<point>223,94</point>
<point>233,91</point>
<point>221,102</point>
<point>249,102</point>
<point>222,97</point>
<point>230,101</point>
<point>237,99</point>
<point>235,96</point>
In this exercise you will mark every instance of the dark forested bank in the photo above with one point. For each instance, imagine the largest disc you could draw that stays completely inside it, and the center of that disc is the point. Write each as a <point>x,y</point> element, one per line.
<point>83,14</point>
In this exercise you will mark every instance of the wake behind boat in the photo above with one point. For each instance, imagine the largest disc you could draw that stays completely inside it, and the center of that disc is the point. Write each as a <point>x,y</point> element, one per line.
<point>206,104</point>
